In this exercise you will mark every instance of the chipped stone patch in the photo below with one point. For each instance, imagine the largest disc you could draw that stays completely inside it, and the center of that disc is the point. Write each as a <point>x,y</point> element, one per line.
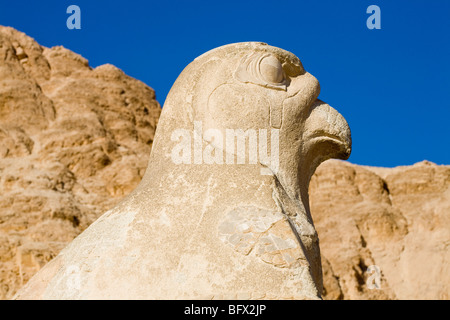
<point>264,232</point>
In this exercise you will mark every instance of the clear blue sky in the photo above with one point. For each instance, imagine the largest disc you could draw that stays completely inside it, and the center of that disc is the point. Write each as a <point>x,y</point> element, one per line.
<point>392,84</point>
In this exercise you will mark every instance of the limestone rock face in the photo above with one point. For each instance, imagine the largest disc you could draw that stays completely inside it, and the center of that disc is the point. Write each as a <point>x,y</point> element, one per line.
<point>212,219</point>
<point>394,218</point>
<point>73,141</point>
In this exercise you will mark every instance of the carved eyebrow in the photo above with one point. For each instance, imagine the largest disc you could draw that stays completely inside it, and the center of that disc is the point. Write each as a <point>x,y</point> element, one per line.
<point>291,68</point>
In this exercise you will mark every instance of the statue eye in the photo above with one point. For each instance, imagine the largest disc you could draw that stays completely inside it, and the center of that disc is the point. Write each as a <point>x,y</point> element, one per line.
<point>263,69</point>
<point>271,70</point>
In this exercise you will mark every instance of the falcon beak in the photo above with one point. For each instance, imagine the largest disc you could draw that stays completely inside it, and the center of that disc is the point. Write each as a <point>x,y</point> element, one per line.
<point>327,132</point>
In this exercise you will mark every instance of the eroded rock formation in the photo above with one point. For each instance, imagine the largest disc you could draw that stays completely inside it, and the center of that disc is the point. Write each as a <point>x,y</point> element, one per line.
<point>73,141</point>
<point>395,218</point>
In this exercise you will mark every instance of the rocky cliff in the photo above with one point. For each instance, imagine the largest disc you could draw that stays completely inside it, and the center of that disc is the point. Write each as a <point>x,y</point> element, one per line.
<point>74,140</point>
<point>396,219</point>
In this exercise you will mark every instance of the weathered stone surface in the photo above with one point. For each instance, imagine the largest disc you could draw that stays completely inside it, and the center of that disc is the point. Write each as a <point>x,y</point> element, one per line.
<point>73,141</point>
<point>395,218</point>
<point>204,224</point>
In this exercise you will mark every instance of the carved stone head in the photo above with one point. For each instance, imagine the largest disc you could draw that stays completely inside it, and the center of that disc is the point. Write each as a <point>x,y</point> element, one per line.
<point>256,86</point>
